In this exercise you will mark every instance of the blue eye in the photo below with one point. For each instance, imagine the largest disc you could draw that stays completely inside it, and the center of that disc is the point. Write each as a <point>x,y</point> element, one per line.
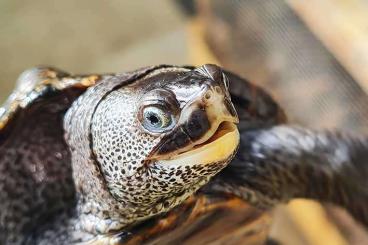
<point>157,120</point>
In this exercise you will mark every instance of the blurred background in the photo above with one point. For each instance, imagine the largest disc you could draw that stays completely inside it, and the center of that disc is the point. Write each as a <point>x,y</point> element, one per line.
<point>310,55</point>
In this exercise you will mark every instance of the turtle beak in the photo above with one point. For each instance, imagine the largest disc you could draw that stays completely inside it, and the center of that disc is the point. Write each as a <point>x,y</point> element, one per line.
<point>204,120</point>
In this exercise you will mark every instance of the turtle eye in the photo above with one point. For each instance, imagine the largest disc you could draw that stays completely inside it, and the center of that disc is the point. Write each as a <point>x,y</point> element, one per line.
<point>156,119</point>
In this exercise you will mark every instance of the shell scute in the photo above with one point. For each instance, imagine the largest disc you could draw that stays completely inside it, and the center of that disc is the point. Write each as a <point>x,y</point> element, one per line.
<point>40,83</point>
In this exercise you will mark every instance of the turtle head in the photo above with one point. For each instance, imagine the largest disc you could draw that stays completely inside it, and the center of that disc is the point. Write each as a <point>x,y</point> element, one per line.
<point>160,138</point>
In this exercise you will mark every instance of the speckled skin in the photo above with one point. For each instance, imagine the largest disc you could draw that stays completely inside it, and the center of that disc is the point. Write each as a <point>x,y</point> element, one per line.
<point>110,151</point>
<point>59,142</point>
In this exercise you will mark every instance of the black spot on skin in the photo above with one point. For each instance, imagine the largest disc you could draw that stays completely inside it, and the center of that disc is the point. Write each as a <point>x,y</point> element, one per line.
<point>107,173</point>
<point>166,204</point>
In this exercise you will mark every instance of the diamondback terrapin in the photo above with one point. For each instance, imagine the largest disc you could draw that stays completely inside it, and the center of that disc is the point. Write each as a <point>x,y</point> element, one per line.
<point>143,157</point>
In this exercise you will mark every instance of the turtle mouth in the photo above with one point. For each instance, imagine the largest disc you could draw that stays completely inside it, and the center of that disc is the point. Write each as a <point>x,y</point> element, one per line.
<point>223,129</point>
<point>219,147</point>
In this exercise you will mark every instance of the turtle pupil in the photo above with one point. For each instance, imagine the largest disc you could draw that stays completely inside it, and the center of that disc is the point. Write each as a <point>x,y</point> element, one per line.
<point>153,119</point>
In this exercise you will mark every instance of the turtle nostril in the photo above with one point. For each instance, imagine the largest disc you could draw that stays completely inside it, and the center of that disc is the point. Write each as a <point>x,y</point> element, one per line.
<point>218,89</point>
<point>208,95</point>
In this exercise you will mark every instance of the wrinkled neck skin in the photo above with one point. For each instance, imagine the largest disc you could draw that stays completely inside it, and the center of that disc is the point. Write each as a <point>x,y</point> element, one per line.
<point>283,162</point>
<point>95,212</point>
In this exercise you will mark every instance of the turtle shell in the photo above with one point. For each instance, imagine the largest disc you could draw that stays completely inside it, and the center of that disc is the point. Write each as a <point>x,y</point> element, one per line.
<point>31,120</point>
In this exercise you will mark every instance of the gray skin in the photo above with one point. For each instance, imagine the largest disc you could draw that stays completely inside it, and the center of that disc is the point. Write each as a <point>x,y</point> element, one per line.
<point>80,164</point>
<point>279,163</point>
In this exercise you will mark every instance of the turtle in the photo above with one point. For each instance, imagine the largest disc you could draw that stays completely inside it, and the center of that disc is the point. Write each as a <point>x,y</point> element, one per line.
<point>160,155</point>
